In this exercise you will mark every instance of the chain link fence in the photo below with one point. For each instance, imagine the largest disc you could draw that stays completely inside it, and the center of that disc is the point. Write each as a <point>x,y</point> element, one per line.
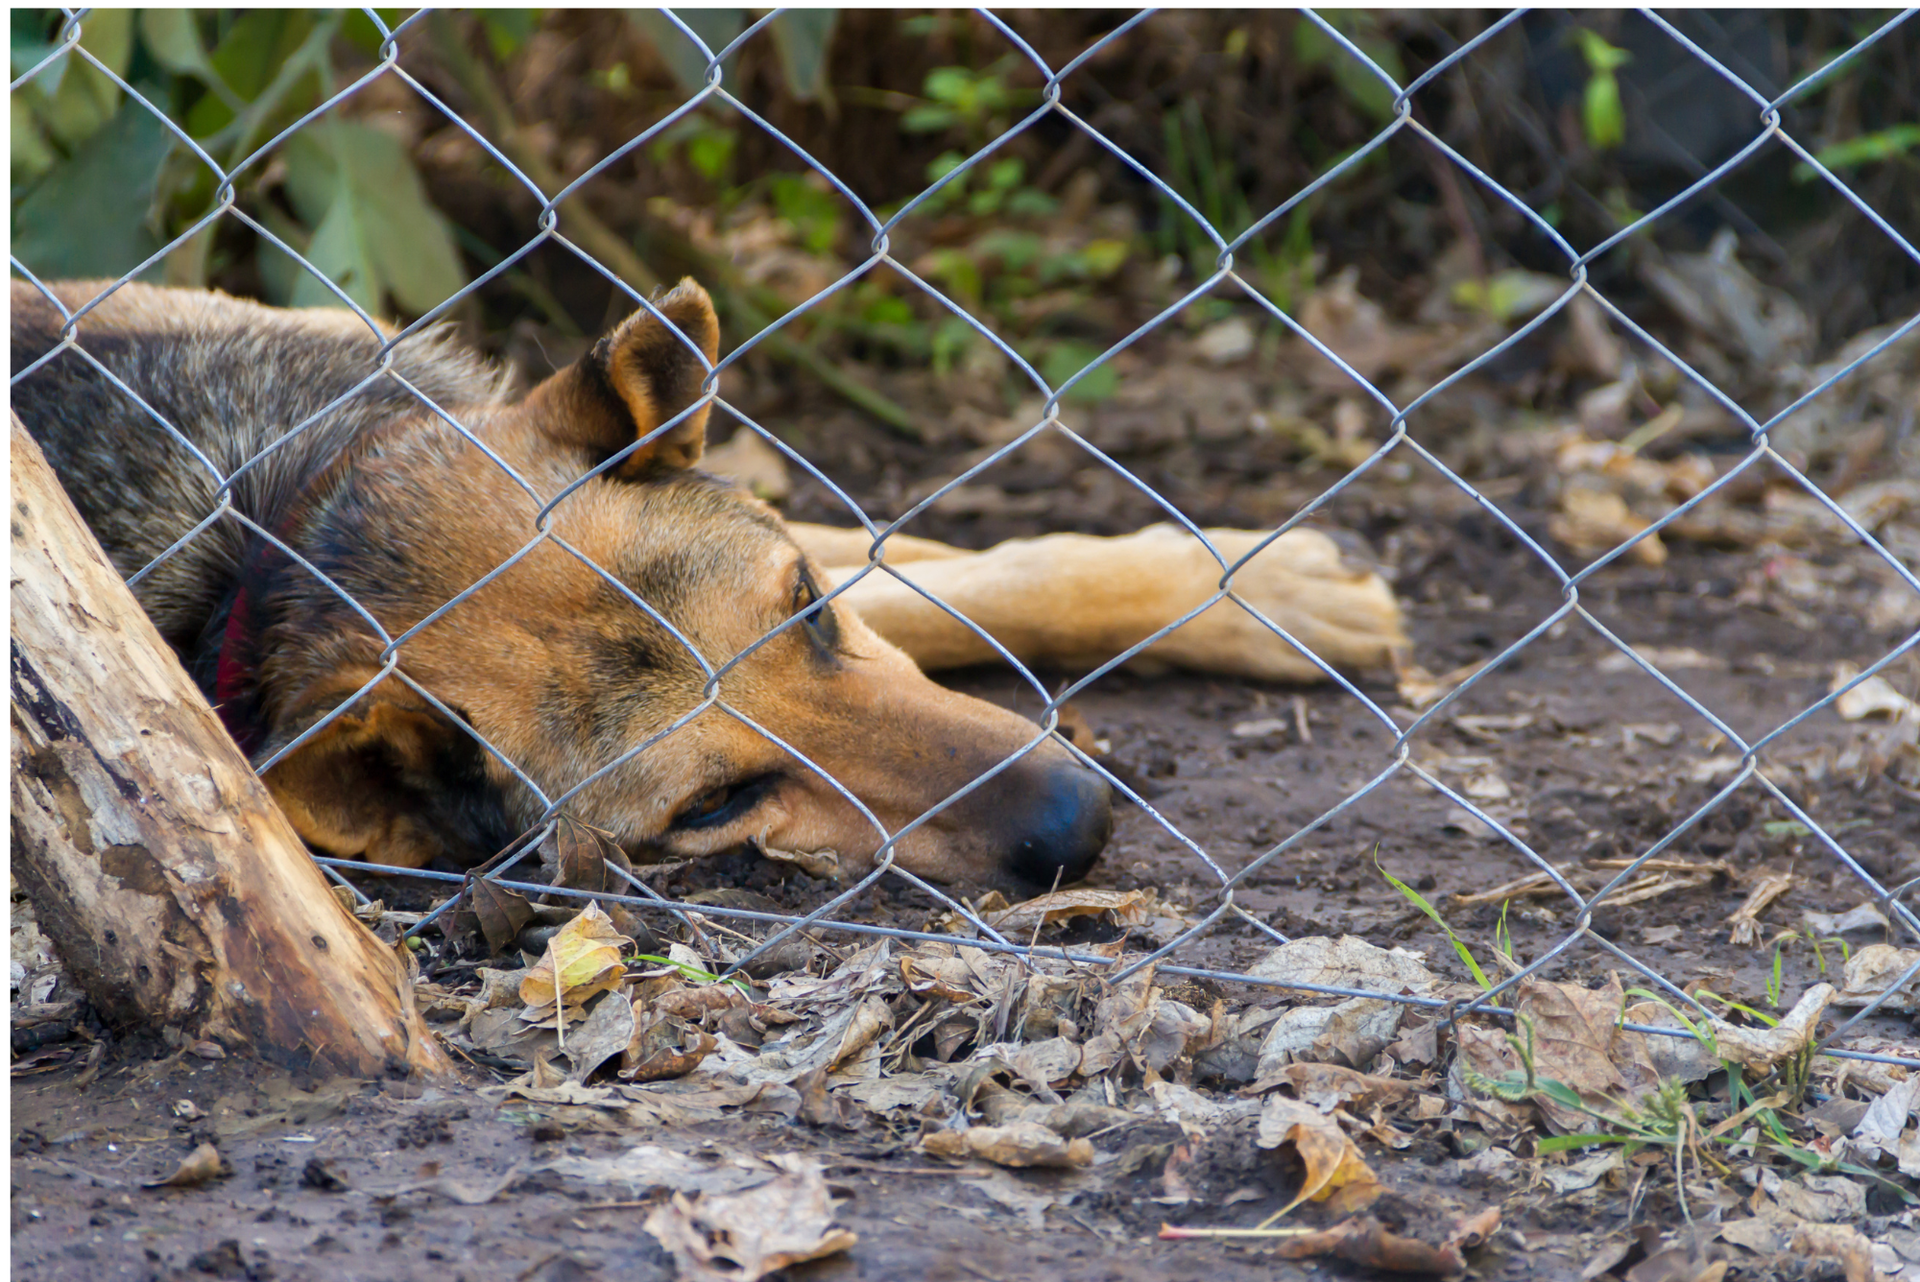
<point>1225,879</point>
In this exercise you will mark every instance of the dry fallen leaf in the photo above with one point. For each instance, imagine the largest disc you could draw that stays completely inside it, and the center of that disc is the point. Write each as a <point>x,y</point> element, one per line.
<point>1863,916</point>
<point>1354,1032</point>
<point>1335,1171</point>
<point>1329,1086</point>
<point>1420,689</point>
<point>1356,1029</point>
<point>1138,909</point>
<point>1346,962</point>
<point>585,955</point>
<point>1017,1144</point>
<point>662,1047</point>
<point>1578,1042</point>
<point>1874,697</point>
<point>1874,969</point>
<point>199,1166</point>
<point>743,1236</point>
<point>1838,1242</point>
<point>1761,1048</point>
<point>607,1030</point>
<point>1592,521</point>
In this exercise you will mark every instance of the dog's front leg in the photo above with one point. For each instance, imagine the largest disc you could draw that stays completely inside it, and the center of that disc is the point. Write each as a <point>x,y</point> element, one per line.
<point>1075,600</point>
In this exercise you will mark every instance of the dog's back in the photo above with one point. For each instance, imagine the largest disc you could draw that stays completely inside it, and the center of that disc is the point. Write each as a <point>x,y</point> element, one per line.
<point>232,378</point>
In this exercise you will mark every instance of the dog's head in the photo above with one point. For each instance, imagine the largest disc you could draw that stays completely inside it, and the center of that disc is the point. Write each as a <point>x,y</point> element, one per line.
<point>667,645</point>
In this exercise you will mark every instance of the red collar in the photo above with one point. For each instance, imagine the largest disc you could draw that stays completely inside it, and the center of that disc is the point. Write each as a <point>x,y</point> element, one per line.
<point>233,696</point>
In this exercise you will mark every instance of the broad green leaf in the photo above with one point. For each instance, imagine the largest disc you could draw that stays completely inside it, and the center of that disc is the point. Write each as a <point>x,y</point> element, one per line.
<point>34,34</point>
<point>802,37</point>
<point>257,44</point>
<point>340,251</point>
<point>32,155</point>
<point>682,56</point>
<point>173,38</point>
<point>87,98</point>
<point>249,57</point>
<point>1314,47</point>
<point>88,216</point>
<point>375,232</point>
<point>280,273</point>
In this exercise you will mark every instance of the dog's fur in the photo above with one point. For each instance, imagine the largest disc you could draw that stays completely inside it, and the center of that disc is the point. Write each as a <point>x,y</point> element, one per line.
<point>393,508</point>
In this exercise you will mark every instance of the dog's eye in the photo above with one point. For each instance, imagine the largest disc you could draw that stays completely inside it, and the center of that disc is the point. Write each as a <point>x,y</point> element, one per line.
<point>718,806</point>
<point>816,618</point>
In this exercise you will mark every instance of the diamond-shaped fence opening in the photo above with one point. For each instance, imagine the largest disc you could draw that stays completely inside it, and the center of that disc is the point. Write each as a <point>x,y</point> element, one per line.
<point>1089,222</point>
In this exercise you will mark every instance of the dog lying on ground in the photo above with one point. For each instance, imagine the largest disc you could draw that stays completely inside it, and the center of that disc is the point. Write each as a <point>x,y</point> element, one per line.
<point>567,656</point>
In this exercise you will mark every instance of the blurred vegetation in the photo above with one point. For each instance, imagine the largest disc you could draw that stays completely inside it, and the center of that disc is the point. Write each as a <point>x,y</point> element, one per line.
<point>1050,238</point>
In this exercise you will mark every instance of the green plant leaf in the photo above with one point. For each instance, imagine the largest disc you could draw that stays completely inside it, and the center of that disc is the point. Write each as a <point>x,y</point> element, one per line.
<point>1867,149</point>
<point>1601,113</point>
<point>375,232</point>
<point>173,38</point>
<point>34,34</point>
<point>88,215</point>
<point>357,27</point>
<point>927,118</point>
<point>248,60</point>
<point>802,38</point>
<point>813,213</point>
<point>1561,1093</point>
<point>683,58</point>
<point>1067,358</point>
<point>33,154</point>
<point>1599,54</point>
<point>1563,1143</point>
<point>711,152</point>
<point>340,250</point>
<point>1419,901</point>
<point>507,29</point>
<point>85,98</point>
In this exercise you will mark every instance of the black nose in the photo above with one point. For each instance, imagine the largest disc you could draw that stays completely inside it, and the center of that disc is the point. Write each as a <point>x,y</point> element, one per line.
<point>1056,831</point>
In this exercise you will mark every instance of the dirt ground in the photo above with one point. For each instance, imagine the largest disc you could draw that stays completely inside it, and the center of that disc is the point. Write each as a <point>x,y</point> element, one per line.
<point>1579,754</point>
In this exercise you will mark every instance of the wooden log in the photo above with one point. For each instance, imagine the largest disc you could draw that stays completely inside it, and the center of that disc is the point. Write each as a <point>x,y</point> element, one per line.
<point>176,891</point>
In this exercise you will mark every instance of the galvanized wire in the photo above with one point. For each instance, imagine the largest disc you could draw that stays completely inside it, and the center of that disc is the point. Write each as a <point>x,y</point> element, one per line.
<point>1750,774</point>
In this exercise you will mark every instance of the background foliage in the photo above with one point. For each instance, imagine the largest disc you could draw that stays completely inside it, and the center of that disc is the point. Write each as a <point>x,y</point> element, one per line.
<point>1054,241</point>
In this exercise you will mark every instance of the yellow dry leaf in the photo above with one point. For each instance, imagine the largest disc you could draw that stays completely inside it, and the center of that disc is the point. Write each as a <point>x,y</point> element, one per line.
<point>1335,1171</point>
<point>585,955</point>
<point>1016,1144</point>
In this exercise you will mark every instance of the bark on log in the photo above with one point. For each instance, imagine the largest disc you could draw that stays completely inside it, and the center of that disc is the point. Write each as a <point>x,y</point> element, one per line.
<point>177,893</point>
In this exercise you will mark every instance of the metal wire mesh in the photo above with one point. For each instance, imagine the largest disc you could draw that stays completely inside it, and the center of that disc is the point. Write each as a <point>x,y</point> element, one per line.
<point>1401,440</point>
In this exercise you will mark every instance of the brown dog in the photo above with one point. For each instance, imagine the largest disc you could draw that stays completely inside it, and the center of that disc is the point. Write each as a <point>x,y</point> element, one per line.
<point>581,668</point>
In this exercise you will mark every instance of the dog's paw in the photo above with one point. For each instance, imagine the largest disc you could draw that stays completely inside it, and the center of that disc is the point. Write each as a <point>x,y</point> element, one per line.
<point>1330,602</point>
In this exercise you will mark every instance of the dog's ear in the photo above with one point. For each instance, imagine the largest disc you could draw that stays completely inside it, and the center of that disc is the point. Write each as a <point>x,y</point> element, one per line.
<point>635,379</point>
<point>393,781</point>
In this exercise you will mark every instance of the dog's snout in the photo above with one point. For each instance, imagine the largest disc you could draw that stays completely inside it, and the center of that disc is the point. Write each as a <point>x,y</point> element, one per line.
<point>1055,832</point>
